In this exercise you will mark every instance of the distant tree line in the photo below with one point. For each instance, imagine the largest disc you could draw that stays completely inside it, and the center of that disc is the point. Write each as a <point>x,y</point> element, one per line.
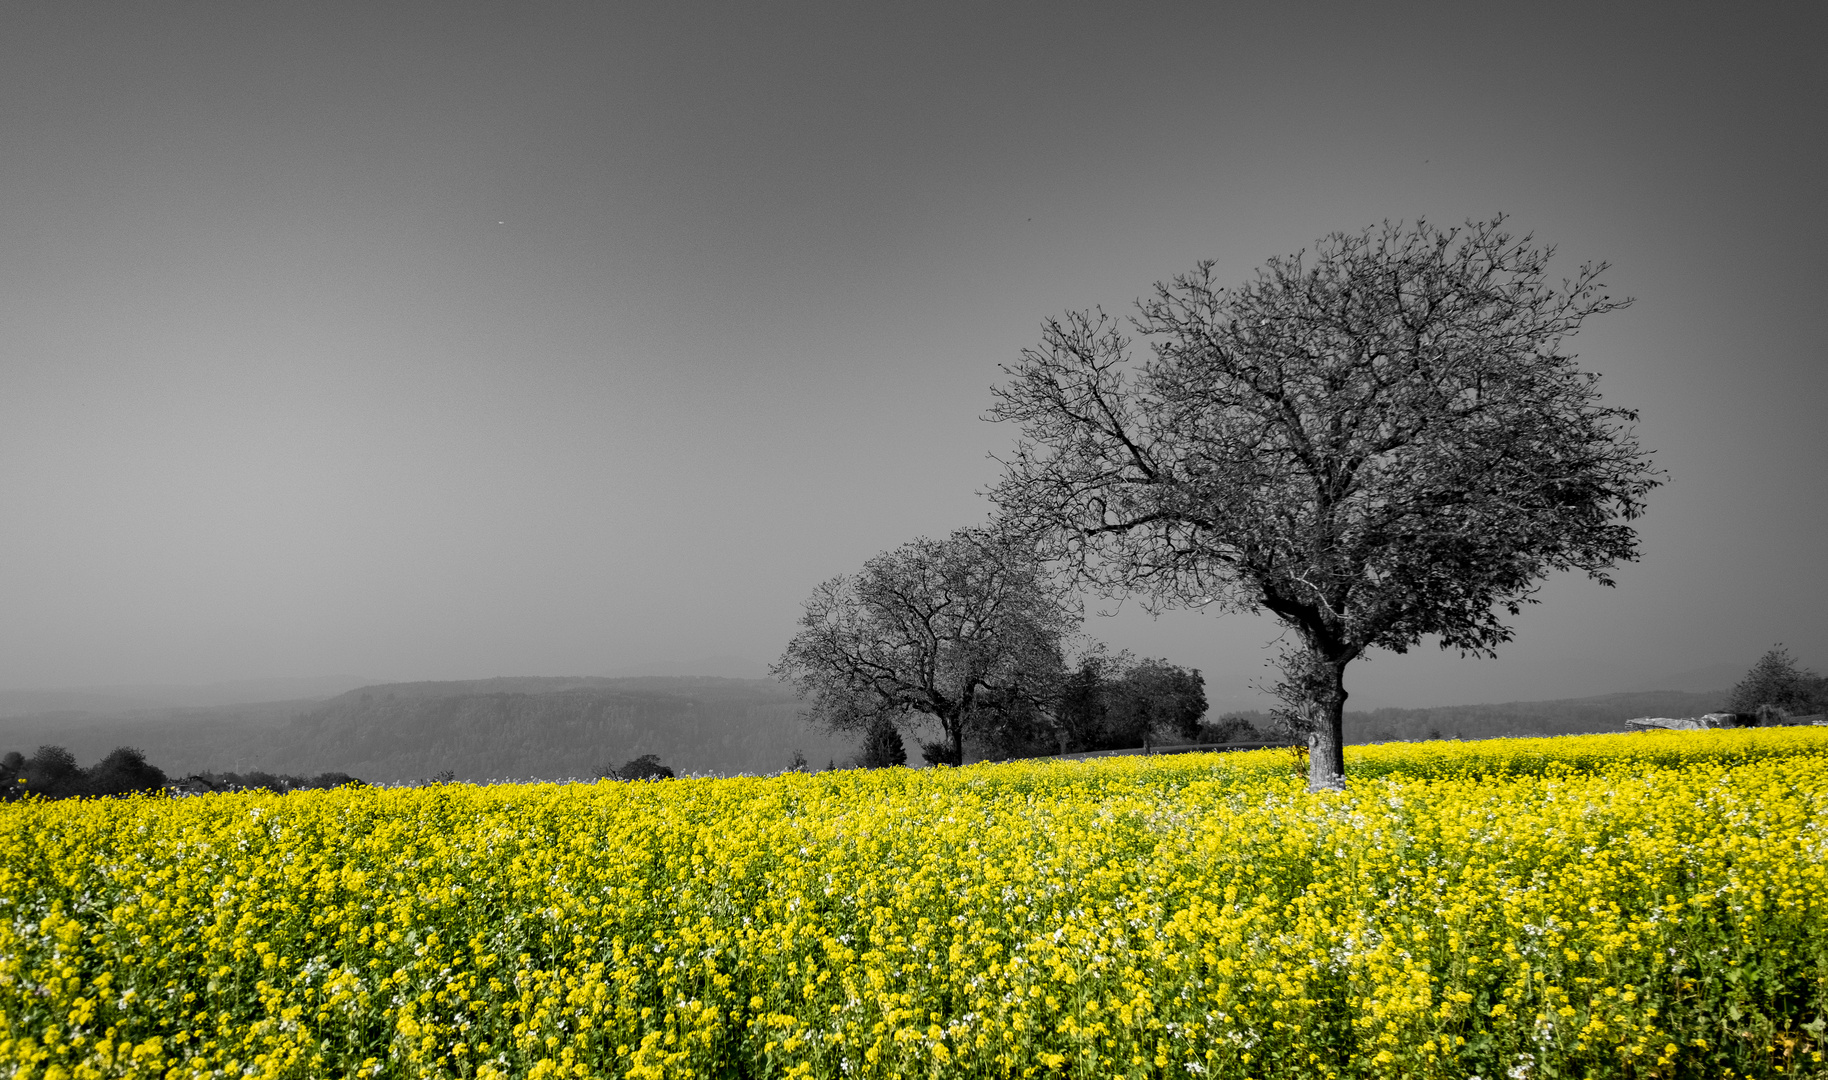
<point>261,780</point>
<point>52,773</point>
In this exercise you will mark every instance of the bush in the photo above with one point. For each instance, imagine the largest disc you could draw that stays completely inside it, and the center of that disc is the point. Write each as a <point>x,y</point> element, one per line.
<point>645,767</point>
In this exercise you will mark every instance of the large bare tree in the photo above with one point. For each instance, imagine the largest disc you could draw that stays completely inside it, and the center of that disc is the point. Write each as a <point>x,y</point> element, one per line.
<point>1378,441</point>
<point>953,631</point>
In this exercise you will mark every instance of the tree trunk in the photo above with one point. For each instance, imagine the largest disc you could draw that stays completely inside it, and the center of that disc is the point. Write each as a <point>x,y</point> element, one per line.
<point>955,740</point>
<point>1327,740</point>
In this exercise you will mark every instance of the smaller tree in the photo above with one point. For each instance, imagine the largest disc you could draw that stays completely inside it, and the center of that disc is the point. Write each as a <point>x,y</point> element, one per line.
<point>959,632</point>
<point>12,770</point>
<point>1011,727</point>
<point>1161,700</point>
<point>882,746</point>
<point>1778,685</point>
<point>1115,702</point>
<point>52,773</point>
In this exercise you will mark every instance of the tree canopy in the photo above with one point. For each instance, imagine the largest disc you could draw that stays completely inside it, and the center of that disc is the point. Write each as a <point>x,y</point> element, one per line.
<point>52,773</point>
<point>1778,682</point>
<point>957,632</point>
<point>1114,702</point>
<point>1378,441</point>
<point>645,767</point>
<point>882,746</point>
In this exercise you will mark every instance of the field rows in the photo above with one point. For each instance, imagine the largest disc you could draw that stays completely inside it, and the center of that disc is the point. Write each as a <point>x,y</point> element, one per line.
<point>1637,905</point>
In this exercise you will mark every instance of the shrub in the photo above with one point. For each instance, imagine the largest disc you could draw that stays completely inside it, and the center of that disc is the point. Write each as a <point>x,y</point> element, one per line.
<point>645,767</point>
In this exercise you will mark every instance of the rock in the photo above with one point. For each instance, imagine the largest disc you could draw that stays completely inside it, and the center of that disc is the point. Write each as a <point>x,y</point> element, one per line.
<point>1649,723</point>
<point>1720,719</point>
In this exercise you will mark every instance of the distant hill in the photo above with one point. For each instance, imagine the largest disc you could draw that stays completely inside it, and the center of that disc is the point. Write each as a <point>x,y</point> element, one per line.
<point>552,728</point>
<point>509,728</point>
<point>1567,716</point>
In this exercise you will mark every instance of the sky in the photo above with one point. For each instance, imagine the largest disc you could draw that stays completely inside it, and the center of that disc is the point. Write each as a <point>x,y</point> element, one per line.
<point>438,341</point>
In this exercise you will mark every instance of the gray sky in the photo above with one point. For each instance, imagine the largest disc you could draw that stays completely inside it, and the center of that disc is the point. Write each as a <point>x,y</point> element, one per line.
<point>452,341</point>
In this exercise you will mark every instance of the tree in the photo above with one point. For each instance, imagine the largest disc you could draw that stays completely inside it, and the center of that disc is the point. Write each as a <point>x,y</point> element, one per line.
<point>52,773</point>
<point>956,631</point>
<point>1778,683</point>
<point>1378,442</point>
<point>1114,702</point>
<point>1232,727</point>
<point>1014,725</point>
<point>124,772</point>
<point>12,770</point>
<point>882,746</point>
<point>645,767</point>
<point>1159,700</point>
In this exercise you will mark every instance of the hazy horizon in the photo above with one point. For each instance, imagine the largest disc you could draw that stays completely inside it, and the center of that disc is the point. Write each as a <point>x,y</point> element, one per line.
<point>23,701</point>
<point>448,342</point>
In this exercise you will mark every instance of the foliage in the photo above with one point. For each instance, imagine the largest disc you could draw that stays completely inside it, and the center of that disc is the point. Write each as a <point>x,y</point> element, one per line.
<point>1232,727</point>
<point>963,632</point>
<point>1114,702</point>
<point>261,780</point>
<point>1776,681</point>
<point>882,746</point>
<point>1158,699</point>
<point>52,773</point>
<point>645,767</point>
<point>1379,442</point>
<point>1556,907</point>
<point>124,772</point>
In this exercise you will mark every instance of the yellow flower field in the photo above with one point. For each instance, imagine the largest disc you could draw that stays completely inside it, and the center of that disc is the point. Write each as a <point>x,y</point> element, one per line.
<point>1634,906</point>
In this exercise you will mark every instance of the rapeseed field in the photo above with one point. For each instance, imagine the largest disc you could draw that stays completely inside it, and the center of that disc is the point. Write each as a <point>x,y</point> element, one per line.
<point>1642,905</point>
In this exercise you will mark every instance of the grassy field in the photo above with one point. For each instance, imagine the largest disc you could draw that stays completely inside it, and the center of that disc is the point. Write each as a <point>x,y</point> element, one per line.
<point>1623,905</point>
